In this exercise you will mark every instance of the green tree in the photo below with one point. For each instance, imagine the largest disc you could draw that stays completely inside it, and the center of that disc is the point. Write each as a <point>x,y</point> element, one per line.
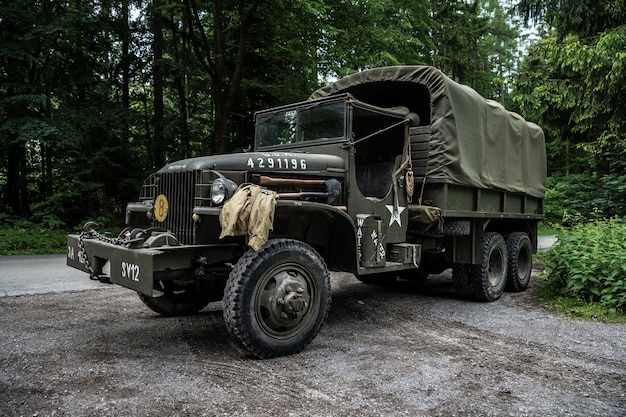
<point>572,84</point>
<point>475,43</point>
<point>584,18</point>
<point>364,34</point>
<point>23,103</point>
<point>57,110</point>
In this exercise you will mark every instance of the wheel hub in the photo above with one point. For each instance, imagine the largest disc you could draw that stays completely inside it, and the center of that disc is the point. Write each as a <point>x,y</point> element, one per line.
<point>494,271</point>
<point>293,302</point>
<point>284,302</point>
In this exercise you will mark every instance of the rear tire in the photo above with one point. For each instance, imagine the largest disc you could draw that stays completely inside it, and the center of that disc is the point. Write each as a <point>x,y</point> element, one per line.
<point>489,278</point>
<point>520,261</point>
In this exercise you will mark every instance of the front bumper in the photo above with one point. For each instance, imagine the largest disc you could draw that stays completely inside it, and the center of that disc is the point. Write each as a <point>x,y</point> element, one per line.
<point>139,268</point>
<point>131,268</point>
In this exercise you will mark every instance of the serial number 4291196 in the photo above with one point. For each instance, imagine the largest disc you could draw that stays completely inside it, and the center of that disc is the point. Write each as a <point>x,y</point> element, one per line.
<point>277,163</point>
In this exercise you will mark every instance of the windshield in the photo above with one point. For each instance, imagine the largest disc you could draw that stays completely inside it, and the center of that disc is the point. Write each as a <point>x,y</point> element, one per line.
<point>294,126</point>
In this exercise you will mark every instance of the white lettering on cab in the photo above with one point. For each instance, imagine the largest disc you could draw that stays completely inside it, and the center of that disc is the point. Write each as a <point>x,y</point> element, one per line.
<point>276,162</point>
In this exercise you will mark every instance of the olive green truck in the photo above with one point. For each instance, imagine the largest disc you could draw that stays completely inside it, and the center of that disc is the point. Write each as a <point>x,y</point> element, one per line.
<point>391,173</point>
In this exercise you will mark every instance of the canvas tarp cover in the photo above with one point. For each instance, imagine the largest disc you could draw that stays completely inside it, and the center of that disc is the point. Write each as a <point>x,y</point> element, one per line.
<point>474,141</point>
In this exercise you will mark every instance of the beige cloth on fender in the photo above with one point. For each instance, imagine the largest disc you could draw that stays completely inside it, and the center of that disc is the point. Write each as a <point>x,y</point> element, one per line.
<point>249,212</point>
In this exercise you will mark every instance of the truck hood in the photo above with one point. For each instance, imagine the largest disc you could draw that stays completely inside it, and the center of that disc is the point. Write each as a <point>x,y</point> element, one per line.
<point>261,161</point>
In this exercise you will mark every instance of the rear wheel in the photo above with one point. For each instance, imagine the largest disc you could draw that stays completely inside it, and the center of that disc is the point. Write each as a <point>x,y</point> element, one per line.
<point>277,298</point>
<point>171,298</point>
<point>489,278</point>
<point>520,261</point>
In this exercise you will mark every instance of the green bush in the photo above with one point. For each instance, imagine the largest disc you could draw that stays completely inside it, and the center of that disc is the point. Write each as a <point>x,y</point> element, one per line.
<point>568,196</point>
<point>26,238</point>
<point>575,198</point>
<point>589,263</point>
<point>43,235</point>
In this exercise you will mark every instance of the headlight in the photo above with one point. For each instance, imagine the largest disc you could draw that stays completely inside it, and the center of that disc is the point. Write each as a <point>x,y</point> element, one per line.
<point>219,191</point>
<point>221,188</point>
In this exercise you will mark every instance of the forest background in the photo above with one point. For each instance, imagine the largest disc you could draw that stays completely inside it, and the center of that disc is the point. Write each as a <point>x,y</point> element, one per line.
<point>95,95</point>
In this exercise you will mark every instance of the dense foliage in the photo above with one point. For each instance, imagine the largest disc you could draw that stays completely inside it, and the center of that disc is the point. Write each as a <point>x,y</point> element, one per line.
<point>23,237</point>
<point>572,84</point>
<point>589,263</point>
<point>96,95</point>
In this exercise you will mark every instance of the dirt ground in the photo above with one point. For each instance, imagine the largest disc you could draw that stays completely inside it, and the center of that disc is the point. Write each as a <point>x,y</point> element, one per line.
<point>412,349</point>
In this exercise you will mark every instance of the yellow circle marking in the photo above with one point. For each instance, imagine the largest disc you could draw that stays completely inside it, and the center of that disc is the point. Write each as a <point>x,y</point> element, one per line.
<point>160,208</point>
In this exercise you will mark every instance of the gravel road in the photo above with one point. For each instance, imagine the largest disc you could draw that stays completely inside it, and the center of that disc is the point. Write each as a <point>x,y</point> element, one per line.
<point>412,349</point>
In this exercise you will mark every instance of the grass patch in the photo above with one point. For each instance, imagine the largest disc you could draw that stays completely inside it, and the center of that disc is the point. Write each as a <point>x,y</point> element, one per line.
<point>23,237</point>
<point>581,310</point>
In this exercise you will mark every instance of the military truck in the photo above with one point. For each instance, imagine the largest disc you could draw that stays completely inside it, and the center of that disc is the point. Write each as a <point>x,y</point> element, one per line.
<point>391,173</point>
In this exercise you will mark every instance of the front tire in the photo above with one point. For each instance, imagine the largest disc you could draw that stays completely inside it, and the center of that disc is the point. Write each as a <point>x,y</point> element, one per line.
<point>520,263</point>
<point>277,298</point>
<point>489,278</point>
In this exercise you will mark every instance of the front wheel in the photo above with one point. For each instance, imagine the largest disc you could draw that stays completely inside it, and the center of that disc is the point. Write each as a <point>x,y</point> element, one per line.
<point>277,298</point>
<point>489,278</point>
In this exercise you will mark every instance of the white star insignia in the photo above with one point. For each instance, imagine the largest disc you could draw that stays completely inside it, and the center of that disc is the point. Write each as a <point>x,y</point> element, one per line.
<point>395,215</point>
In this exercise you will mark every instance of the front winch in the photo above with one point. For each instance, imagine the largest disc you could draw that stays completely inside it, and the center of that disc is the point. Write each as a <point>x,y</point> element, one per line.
<point>135,238</point>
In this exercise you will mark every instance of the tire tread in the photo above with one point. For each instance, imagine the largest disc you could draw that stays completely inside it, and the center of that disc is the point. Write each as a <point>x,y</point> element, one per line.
<point>479,274</point>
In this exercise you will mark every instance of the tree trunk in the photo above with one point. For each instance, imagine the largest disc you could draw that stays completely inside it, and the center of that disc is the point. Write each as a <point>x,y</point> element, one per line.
<point>226,78</point>
<point>157,49</point>
<point>125,59</point>
<point>15,191</point>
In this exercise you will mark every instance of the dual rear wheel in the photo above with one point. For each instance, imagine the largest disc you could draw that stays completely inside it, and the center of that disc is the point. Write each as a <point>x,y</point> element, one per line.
<point>504,265</point>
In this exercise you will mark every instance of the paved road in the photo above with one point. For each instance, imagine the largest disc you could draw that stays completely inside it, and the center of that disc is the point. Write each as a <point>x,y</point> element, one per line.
<point>41,274</point>
<point>408,349</point>
<point>546,242</point>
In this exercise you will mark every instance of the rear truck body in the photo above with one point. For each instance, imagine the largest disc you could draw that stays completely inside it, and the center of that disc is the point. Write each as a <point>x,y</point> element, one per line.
<point>395,172</point>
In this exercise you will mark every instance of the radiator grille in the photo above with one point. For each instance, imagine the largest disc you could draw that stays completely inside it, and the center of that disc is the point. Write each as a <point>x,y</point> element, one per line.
<point>178,188</point>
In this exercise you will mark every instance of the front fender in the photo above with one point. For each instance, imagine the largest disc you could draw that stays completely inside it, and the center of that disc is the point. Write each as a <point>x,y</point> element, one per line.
<point>330,230</point>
